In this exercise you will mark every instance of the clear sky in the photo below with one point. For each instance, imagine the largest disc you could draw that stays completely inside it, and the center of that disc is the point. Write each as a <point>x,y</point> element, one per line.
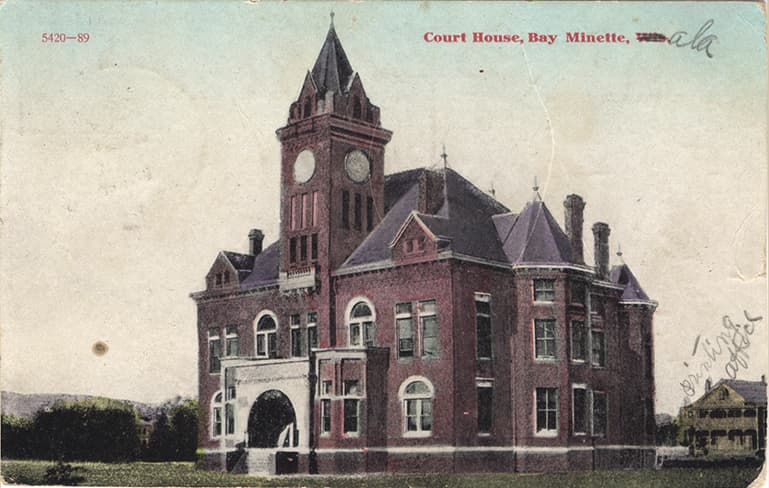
<point>129,161</point>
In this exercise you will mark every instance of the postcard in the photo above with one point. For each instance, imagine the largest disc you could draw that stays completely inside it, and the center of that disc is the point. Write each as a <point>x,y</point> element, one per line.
<point>453,242</point>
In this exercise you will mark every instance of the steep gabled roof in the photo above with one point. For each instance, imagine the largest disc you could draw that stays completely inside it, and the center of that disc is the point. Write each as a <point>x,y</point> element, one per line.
<point>533,236</point>
<point>332,70</point>
<point>265,268</point>
<point>622,275</point>
<point>464,218</point>
<point>751,391</point>
<point>239,261</point>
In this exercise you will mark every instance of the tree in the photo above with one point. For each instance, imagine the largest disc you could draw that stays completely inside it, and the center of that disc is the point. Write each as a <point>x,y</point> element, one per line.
<point>184,426</point>
<point>17,437</point>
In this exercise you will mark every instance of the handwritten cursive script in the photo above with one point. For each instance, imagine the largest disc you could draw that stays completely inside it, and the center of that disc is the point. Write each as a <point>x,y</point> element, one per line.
<point>733,341</point>
<point>700,42</point>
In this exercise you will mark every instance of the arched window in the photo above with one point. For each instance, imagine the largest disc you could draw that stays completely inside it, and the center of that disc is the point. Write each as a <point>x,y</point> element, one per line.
<point>266,335</point>
<point>216,415</point>
<point>360,323</point>
<point>416,394</point>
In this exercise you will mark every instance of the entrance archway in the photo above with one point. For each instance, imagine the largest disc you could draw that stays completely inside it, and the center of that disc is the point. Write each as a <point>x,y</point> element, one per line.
<point>272,421</point>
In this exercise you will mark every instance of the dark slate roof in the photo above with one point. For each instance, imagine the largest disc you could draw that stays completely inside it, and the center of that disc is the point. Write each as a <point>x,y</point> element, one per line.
<point>240,261</point>
<point>533,236</point>
<point>751,391</point>
<point>332,70</point>
<point>265,268</point>
<point>464,218</point>
<point>623,276</point>
<point>376,247</point>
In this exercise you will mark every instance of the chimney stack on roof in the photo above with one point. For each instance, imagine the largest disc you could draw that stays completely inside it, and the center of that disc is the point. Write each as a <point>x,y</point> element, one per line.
<point>574,207</point>
<point>255,238</point>
<point>431,185</point>
<point>601,233</point>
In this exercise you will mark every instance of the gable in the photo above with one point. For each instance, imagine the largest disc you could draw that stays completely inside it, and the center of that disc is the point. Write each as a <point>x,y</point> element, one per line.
<point>720,396</point>
<point>413,241</point>
<point>222,274</point>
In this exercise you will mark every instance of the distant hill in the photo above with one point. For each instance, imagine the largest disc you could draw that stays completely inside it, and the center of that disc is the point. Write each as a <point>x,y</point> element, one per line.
<point>26,404</point>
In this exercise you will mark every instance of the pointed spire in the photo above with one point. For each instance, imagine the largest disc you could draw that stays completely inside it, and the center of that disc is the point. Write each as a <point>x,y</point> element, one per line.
<point>537,196</point>
<point>332,70</point>
<point>445,157</point>
<point>619,253</point>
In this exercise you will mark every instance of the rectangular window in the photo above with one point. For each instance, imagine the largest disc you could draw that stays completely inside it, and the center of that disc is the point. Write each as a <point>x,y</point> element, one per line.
<point>578,341</point>
<point>596,304</point>
<point>544,290</point>
<point>580,410</point>
<point>351,416</point>
<point>229,418</point>
<point>578,292</point>
<point>483,325</point>
<point>314,221</point>
<point>232,346</point>
<point>346,209</point>
<point>326,388</point>
<point>314,247</point>
<point>369,213</point>
<point>214,350</point>
<point>405,324</point>
<point>599,348</point>
<point>305,210</point>
<point>357,211</point>
<point>312,330</point>
<point>649,364</point>
<point>419,415</point>
<point>485,407</point>
<point>599,413</point>
<point>226,277</point>
<point>325,416</point>
<point>216,422</point>
<point>352,388</point>
<point>544,338</point>
<point>292,250</point>
<point>355,334</point>
<point>218,279</point>
<point>303,248</point>
<point>293,212</point>
<point>547,410</point>
<point>296,336</point>
<point>429,327</point>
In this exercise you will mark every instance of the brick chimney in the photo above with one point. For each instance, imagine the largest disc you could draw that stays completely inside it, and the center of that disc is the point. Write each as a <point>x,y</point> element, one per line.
<point>255,239</point>
<point>430,192</point>
<point>574,207</point>
<point>601,233</point>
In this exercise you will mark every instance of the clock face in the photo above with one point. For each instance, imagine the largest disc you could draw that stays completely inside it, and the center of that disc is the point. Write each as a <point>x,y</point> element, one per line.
<point>304,166</point>
<point>357,165</point>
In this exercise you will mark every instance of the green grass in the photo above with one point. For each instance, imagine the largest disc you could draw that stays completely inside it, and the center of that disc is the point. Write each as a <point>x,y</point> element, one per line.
<point>185,474</point>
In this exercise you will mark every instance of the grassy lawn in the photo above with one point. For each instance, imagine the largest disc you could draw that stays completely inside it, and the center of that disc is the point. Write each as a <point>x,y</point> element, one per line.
<point>185,474</point>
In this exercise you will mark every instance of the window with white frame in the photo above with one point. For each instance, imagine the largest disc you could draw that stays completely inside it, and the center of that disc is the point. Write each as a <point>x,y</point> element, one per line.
<point>325,393</point>
<point>483,325</point>
<point>312,330</point>
<point>485,390</point>
<point>229,418</point>
<point>404,323</point>
<point>544,290</point>
<point>578,341</point>
<point>598,342</point>
<point>428,321</point>
<point>232,341</point>
<point>361,325</point>
<point>589,411</point>
<point>295,322</point>
<point>546,411</point>
<point>544,338</point>
<point>216,415</point>
<point>214,350</point>
<point>417,399</point>
<point>351,405</point>
<point>267,336</point>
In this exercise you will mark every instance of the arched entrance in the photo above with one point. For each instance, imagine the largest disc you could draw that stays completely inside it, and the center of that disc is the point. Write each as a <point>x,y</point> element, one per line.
<point>272,421</point>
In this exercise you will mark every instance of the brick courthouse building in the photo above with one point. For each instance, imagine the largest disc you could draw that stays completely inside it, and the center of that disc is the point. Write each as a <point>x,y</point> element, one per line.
<point>411,322</point>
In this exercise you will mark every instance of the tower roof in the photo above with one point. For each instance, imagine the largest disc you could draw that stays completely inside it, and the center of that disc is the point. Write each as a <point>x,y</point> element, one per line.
<point>332,70</point>
<point>623,276</point>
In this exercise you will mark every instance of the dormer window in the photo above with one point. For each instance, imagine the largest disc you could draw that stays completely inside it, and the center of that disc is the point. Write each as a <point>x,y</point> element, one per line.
<point>226,277</point>
<point>307,108</point>
<point>356,108</point>
<point>218,279</point>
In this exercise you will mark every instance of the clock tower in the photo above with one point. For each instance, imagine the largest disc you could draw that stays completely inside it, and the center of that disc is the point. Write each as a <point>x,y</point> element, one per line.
<point>332,168</point>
